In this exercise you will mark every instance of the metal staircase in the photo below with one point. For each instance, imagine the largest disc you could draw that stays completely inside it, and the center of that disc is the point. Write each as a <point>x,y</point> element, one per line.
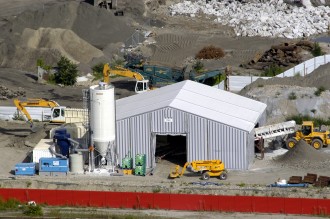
<point>272,131</point>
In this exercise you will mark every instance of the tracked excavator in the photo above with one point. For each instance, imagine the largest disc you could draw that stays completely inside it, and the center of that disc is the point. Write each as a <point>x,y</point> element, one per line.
<point>141,85</point>
<point>208,168</point>
<point>57,111</point>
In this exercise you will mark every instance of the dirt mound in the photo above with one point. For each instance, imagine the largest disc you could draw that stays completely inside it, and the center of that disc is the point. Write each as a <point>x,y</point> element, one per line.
<point>97,26</point>
<point>76,26</point>
<point>63,40</point>
<point>303,156</point>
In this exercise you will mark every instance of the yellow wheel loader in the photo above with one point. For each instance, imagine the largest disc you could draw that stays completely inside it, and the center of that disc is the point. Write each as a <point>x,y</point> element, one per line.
<point>207,168</point>
<point>315,137</point>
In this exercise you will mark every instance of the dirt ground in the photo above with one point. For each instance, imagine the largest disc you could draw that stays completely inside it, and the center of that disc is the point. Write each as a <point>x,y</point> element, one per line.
<point>178,38</point>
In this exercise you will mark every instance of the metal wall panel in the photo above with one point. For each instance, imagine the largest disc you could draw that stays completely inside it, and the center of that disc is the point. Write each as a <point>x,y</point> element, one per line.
<point>140,136</point>
<point>196,138</point>
<point>168,120</point>
<point>123,139</point>
<point>227,144</point>
<point>206,139</point>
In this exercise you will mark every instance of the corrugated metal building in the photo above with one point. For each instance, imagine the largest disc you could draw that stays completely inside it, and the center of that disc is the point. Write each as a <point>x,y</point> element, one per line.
<point>216,124</point>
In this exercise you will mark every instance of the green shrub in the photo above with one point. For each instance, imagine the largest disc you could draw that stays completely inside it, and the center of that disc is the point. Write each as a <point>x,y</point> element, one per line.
<point>198,66</point>
<point>317,121</point>
<point>67,73</point>
<point>319,91</point>
<point>292,96</point>
<point>9,204</point>
<point>317,50</point>
<point>98,71</point>
<point>214,80</point>
<point>33,210</point>
<point>272,70</point>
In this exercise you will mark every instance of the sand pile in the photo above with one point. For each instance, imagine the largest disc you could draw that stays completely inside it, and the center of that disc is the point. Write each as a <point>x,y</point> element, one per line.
<point>65,41</point>
<point>303,156</point>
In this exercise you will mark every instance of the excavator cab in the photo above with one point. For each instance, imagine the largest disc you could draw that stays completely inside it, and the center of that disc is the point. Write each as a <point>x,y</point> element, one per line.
<point>58,115</point>
<point>141,86</point>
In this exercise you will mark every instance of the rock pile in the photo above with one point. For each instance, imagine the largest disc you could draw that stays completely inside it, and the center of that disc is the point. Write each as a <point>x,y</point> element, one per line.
<point>6,93</point>
<point>274,18</point>
<point>304,156</point>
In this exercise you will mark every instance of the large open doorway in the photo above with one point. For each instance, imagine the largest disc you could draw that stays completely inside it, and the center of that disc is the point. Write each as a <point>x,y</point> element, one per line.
<point>172,148</point>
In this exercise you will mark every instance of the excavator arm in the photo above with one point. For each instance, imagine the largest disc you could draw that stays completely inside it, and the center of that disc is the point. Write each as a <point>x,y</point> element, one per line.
<point>21,106</point>
<point>142,85</point>
<point>22,109</point>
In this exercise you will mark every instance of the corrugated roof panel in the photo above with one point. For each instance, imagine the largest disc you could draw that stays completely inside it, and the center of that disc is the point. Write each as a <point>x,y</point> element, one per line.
<point>213,115</point>
<point>217,105</point>
<point>196,98</point>
<point>224,96</point>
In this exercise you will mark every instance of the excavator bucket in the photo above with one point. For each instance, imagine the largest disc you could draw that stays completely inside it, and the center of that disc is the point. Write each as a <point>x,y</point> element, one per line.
<point>175,173</point>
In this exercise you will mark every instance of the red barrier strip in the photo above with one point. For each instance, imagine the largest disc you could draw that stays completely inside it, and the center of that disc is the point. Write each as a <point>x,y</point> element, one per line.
<point>253,204</point>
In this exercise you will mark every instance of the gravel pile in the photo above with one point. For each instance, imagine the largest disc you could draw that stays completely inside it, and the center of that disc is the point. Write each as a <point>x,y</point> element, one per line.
<point>6,93</point>
<point>303,156</point>
<point>274,18</point>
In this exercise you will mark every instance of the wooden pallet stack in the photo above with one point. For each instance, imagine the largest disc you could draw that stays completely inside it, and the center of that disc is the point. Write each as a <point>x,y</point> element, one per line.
<point>295,180</point>
<point>310,178</point>
<point>322,181</point>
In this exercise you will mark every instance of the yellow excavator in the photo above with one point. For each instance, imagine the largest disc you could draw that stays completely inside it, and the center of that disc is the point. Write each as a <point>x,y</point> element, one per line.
<point>142,85</point>
<point>208,168</point>
<point>57,111</point>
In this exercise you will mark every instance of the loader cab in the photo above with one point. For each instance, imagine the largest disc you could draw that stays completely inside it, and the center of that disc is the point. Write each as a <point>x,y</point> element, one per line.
<point>58,115</point>
<point>307,128</point>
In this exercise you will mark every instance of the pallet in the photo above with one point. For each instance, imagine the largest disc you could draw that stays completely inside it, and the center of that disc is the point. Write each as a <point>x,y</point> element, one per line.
<point>310,178</point>
<point>295,180</point>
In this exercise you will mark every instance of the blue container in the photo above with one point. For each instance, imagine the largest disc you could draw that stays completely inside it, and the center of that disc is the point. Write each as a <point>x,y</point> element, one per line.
<point>62,141</point>
<point>53,165</point>
<point>26,169</point>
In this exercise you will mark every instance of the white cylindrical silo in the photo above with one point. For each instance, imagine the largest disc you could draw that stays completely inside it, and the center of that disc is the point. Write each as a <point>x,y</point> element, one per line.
<point>102,112</point>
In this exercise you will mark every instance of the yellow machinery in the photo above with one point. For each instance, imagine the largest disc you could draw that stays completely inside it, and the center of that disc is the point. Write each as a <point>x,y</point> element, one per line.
<point>57,114</point>
<point>207,168</point>
<point>141,85</point>
<point>315,137</point>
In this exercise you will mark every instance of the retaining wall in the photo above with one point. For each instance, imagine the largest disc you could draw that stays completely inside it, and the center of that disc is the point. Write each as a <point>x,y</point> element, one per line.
<point>190,202</point>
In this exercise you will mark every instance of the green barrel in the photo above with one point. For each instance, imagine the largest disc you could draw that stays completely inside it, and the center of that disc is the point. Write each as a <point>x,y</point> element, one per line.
<point>140,160</point>
<point>140,170</point>
<point>127,163</point>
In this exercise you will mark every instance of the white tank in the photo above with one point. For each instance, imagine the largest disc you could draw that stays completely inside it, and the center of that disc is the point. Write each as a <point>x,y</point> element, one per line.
<point>102,116</point>
<point>76,163</point>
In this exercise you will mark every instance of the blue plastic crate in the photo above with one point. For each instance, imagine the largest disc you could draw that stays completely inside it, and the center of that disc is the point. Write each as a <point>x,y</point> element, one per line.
<point>26,169</point>
<point>53,165</point>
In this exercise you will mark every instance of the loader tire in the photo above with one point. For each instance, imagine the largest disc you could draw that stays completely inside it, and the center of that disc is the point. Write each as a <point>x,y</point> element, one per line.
<point>206,176</point>
<point>290,143</point>
<point>223,176</point>
<point>317,144</point>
